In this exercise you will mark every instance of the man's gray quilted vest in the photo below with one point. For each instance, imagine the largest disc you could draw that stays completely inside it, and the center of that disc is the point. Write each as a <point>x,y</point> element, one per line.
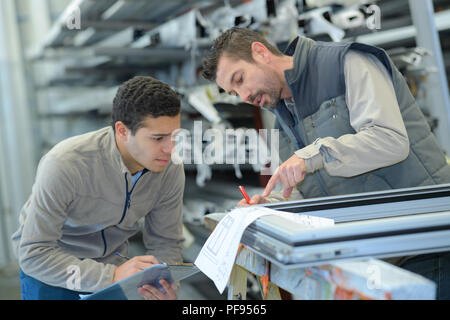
<point>318,86</point>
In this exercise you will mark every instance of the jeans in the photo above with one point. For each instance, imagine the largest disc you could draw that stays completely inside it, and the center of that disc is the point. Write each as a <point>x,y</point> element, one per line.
<point>33,289</point>
<point>435,267</point>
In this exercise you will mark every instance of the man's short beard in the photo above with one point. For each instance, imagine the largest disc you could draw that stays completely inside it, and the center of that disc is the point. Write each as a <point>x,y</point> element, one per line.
<point>274,99</point>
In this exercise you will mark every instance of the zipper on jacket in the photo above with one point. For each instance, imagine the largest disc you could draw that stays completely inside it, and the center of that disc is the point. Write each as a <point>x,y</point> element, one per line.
<point>128,195</point>
<point>104,242</point>
<point>127,206</point>
<point>305,142</point>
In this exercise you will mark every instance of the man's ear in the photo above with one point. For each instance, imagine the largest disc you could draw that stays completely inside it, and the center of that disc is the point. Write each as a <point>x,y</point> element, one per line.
<point>260,53</point>
<point>121,130</point>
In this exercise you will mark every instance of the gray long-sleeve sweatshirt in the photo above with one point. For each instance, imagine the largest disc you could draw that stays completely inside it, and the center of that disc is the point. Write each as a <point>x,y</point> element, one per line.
<point>83,208</point>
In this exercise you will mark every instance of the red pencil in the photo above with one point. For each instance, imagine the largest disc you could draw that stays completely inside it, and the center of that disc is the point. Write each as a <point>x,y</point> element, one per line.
<point>247,198</point>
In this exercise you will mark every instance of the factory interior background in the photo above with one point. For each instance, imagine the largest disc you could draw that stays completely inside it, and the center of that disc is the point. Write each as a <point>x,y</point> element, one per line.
<point>61,62</point>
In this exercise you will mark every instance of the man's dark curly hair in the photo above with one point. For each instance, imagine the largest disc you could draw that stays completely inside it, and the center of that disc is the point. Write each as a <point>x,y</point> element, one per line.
<point>141,97</point>
<point>235,43</point>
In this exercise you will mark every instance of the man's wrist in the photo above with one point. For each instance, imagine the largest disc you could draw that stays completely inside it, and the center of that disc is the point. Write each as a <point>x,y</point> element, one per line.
<point>312,157</point>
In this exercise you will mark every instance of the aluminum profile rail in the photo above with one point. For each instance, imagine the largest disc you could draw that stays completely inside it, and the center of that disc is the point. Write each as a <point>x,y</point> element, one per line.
<point>379,238</point>
<point>380,204</point>
<point>380,224</point>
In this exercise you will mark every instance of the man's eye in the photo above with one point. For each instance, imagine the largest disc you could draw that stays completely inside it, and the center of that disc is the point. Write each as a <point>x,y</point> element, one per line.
<point>157,138</point>
<point>240,79</point>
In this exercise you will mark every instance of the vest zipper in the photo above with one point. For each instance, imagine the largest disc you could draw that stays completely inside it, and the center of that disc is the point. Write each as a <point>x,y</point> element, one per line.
<point>306,142</point>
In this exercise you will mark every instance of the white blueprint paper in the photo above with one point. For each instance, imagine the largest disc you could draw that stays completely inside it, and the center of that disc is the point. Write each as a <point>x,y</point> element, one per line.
<point>216,258</point>
<point>305,221</point>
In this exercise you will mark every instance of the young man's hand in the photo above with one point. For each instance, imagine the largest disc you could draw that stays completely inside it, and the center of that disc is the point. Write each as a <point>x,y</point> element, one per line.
<point>132,266</point>
<point>137,264</point>
<point>151,293</point>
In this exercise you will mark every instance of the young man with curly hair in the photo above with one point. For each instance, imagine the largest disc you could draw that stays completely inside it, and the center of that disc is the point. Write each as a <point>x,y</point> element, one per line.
<point>91,190</point>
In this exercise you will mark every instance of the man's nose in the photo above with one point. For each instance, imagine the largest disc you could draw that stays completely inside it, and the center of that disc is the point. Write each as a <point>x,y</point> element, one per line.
<point>168,145</point>
<point>245,95</point>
